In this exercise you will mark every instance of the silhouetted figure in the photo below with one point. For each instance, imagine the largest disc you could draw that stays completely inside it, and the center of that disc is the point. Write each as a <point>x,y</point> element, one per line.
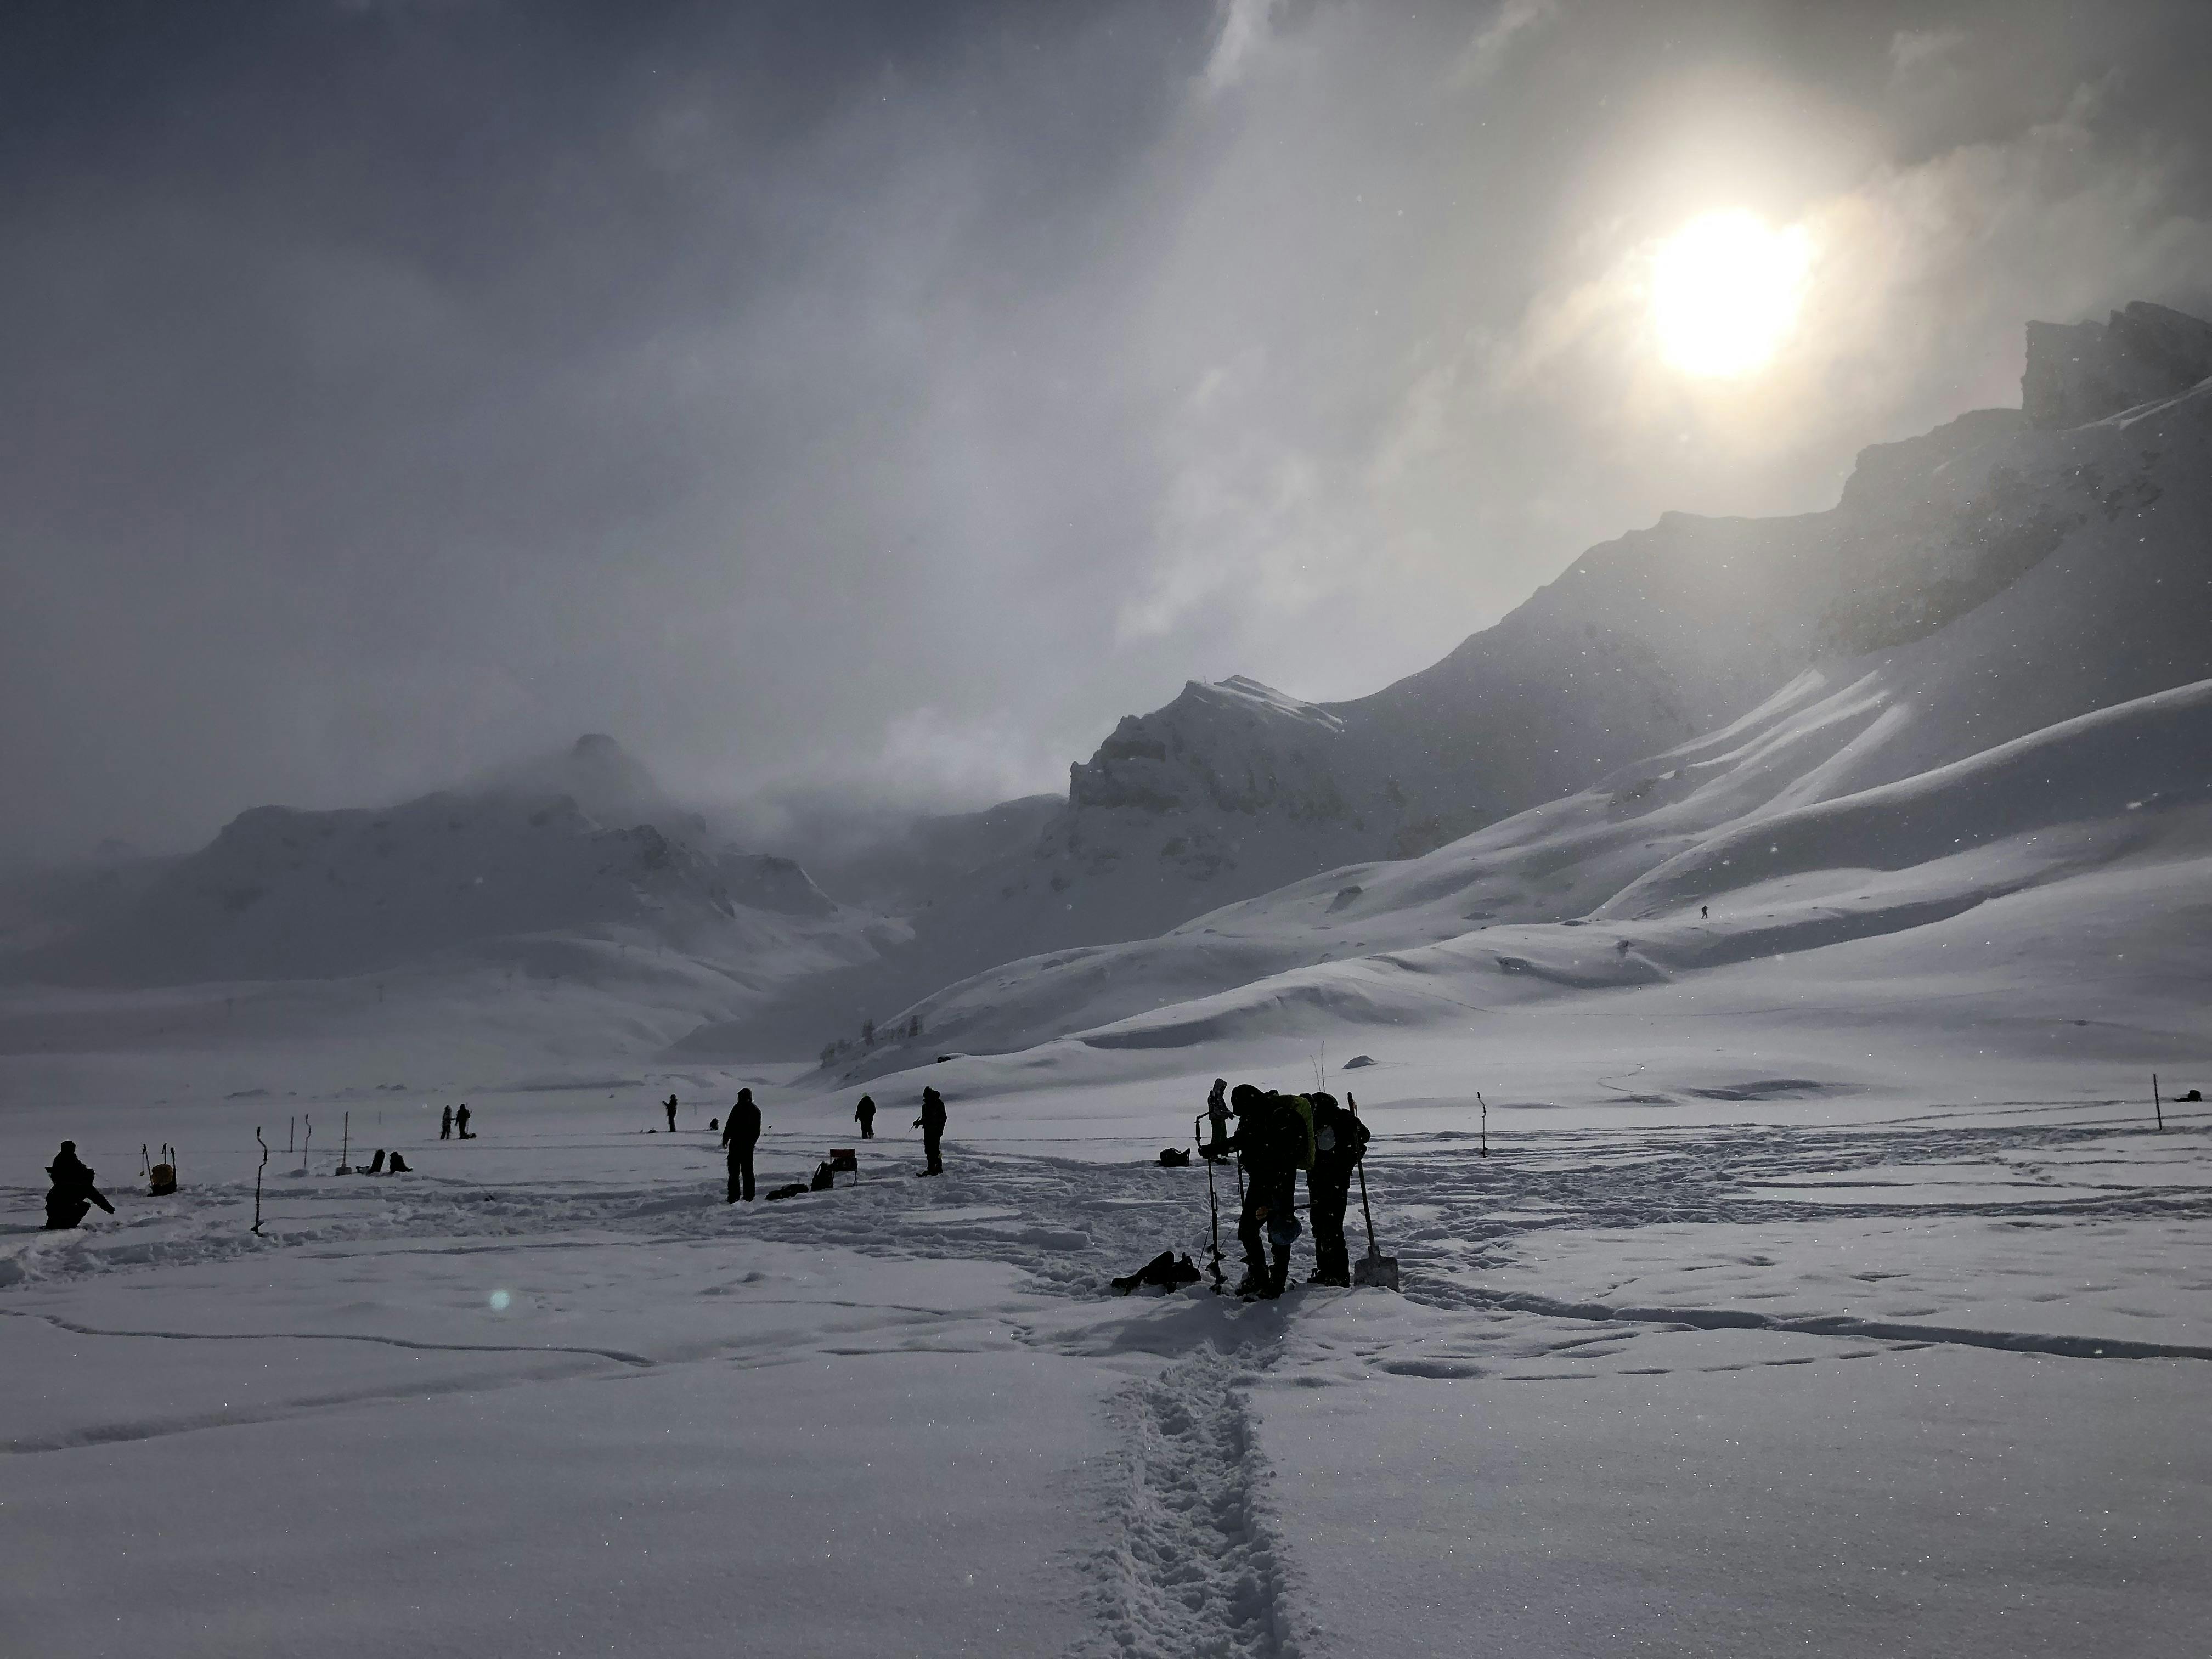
<point>376,1164</point>
<point>1705,912</point>
<point>72,1193</point>
<point>825,1177</point>
<point>400,1166</point>
<point>738,1138</point>
<point>932,1125</point>
<point>1273,1141</point>
<point>1217,1114</point>
<point>1340,1141</point>
<point>461,1122</point>
<point>1175,1158</point>
<point>865,1115</point>
<point>446,1124</point>
<point>669,1106</point>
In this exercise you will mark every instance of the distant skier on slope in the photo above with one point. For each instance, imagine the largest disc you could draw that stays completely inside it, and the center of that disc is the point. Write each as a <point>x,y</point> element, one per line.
<point>1340,1141</point>
<point>865,1115</point>
<point>72,1193</point>
<point>739,1136</point>
<point>932,1125</point>
<point>669,1107</point>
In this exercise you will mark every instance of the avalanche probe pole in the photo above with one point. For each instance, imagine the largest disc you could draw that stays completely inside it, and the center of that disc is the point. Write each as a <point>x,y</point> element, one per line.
<point>1213,1204</point>
<point>257,1168</point>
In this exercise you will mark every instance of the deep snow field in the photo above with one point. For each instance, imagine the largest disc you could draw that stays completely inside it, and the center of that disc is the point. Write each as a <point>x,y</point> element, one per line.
<point>1840,1302</point>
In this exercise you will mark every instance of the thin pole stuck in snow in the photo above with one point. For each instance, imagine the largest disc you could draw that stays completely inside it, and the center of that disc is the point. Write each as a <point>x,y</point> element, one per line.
<point>257,1168</point>
<point>2157,1105</point>
<point>1485,1104</point>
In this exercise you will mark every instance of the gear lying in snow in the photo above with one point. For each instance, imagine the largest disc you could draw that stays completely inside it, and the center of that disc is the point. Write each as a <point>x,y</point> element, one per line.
<point>1167,1270</point>
<point>1175,1160</point>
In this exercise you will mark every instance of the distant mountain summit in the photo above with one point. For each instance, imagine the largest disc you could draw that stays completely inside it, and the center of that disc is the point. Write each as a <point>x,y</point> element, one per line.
<point>580,843</point>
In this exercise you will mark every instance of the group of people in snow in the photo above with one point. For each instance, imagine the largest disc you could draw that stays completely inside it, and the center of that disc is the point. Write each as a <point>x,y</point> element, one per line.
<point>1276,1136</point>
<point>741,1134</point>
<point>449,1121</point>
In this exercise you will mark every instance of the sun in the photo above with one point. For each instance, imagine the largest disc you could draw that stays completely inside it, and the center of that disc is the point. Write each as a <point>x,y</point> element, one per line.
<point>1725,290</point>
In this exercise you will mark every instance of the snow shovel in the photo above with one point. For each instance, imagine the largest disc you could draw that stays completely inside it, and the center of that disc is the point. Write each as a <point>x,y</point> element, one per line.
<point>1375,1267</point>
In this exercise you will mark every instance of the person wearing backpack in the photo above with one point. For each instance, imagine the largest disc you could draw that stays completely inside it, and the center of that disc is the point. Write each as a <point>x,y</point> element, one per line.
<point>1339,1140</point>
<point>932,1125</point>
<point>865,1115</point>
<point>1272,1142</point>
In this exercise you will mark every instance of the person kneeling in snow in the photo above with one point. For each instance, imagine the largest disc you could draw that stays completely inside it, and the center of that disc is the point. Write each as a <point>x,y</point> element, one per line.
<point>72,1193</point>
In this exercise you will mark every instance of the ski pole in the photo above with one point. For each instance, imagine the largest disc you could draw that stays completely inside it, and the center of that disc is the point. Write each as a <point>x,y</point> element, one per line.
<point>257,1168</point>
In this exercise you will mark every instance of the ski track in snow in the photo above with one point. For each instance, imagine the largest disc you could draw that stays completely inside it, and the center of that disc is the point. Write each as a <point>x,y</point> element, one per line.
<point>1196,1565</point>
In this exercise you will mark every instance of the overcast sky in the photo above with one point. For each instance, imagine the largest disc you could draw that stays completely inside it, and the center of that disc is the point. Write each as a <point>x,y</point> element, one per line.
<point>893,396</point>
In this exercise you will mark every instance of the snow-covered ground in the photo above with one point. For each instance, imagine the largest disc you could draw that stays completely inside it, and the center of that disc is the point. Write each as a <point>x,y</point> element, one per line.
<point>1791,1311</point>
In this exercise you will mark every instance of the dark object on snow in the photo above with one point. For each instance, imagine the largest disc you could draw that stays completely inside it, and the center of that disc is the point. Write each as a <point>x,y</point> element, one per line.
<point>1167,1270</point>
<point>825,1178</point>
<point>713,1124</point>
<point>1217,1118</point>
<point>932,1125</point>
<point>2194,1094</point>
<point>796,1189</point>
<point>162,1178</point>
<point>669,1107</point>
<point>844,1159</point>
<point>376,1164</point>
<point>72,1193</point>
<point>461,1123</point>
<point>399,1166</point>
<point>1357,1061</point>
<point>743,1130</point>
<point>1175,1160</point>
<point>446,1124</point>
<point>1339,1142</point>
<point>865,1115</point>
<point>941,1058</point>
<point>1272,1140</point>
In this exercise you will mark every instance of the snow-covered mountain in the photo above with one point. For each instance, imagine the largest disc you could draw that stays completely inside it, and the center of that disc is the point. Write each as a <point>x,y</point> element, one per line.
<point>287,894</point>
<point>1233,790</point>
<point>2007,582</point>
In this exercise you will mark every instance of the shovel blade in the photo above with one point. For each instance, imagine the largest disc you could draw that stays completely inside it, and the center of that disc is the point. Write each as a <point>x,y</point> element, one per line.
<point>1378,1271</point>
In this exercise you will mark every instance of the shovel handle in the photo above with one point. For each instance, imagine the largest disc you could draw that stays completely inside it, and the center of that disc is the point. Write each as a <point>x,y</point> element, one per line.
<point>1362,1167</point>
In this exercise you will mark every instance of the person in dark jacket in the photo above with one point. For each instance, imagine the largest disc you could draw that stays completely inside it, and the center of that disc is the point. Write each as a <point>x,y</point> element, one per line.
<point>1270,1141</point>
<point>1217,1114</point>
<point>932,1125</point>
<point>739,1135</point>
<point>669,1107</point>
<point>461,1122</point>
<point>865,1115</point>
<point>1340,1139</point>
<point>72,1193</point>
<point>446,1124</point>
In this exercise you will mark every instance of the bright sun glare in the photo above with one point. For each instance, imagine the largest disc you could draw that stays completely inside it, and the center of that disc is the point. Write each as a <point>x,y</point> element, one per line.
<point>1725,289</point>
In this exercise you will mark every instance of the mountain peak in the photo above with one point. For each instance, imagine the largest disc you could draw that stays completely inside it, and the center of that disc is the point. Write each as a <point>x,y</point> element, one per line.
<point>2082,372</point>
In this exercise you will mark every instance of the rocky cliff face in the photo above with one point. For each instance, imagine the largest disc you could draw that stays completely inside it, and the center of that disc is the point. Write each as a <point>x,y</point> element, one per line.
<point>2082,372</point>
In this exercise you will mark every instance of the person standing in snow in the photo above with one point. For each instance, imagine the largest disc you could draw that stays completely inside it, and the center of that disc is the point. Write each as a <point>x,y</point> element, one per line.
<point>865,1115</point>
<point>461,1122</point>
<point>1217,1114</point>
<point>669,1107</point>
<point>446,1124</point>
<point>1340,1140</point>
<point>1272,1141</point>
<point>739,1136</point>
<point>932,1125</point>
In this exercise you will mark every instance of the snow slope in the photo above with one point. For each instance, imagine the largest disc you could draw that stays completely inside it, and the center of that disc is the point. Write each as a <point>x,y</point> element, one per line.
<point>1984,731</point>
